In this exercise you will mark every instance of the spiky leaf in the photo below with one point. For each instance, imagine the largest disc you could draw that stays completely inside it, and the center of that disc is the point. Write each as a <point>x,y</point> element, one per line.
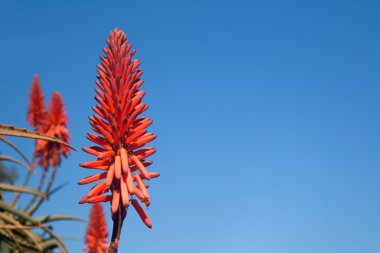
<point>15,188</point>
<point>14,160</point>
<point>10,130</point>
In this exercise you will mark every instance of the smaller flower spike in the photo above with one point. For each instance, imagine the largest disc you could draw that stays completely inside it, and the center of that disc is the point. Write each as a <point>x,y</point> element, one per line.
<point>55,125</point>
<point>36,111</point>
<point>97,233</point>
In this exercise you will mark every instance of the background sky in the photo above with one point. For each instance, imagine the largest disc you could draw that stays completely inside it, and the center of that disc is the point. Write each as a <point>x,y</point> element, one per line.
<point>267,116</point>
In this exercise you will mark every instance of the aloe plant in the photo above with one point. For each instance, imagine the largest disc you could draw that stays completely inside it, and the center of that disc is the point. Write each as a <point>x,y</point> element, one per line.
<point>20,230</point>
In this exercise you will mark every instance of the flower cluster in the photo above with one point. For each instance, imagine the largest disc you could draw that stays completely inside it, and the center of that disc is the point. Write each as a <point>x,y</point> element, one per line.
<point>36,111</point>
<point>55,124</point>
<point>97,233</point>
<point>52,122</point>
<point>121,132</point>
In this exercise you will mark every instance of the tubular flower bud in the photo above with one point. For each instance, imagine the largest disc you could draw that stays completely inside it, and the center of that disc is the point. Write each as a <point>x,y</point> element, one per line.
<point>97,233</point>
<point>120,130</point>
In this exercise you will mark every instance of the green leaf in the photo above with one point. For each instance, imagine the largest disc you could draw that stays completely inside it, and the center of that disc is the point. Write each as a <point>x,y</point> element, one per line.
<point>16,212</point>
<point>50,218</point>
<point>17,241</point>
<point>8,241</point>
<point>14,160</point>
<point>15,188</point>
<point>60,243</point>
<point>22,132</point>
<point>49,244</point>
<point>28,234</point>
<point>2,138</point>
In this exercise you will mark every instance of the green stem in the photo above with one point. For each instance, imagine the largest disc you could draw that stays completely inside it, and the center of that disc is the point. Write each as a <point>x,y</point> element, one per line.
<point>49,185</point>
<point>26,180</point>
<point>40,185</point>
<point>118,219</point>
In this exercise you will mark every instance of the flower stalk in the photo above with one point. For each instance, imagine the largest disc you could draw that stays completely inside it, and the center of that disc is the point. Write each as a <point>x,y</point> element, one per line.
<point>118,219</point>
<point>36,115</point>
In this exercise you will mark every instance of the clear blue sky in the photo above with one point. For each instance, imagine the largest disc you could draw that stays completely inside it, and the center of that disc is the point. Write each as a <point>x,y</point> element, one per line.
<point>267,116</point>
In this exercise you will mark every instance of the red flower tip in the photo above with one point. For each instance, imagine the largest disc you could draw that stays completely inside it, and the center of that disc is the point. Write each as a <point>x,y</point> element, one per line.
<point>121,131</point>
<point>55,125</point>
<point>57,113</point>
<point>97,233</point>
<point>36,111</point>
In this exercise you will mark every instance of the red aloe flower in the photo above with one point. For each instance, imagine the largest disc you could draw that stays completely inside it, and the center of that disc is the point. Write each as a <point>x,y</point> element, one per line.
<point>36,111</point>
<point>97,233</point>
<point>121,132</point>
<point>55,125</point>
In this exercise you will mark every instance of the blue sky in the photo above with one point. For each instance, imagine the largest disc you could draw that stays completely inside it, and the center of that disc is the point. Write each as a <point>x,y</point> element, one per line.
<point>267,116</point>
